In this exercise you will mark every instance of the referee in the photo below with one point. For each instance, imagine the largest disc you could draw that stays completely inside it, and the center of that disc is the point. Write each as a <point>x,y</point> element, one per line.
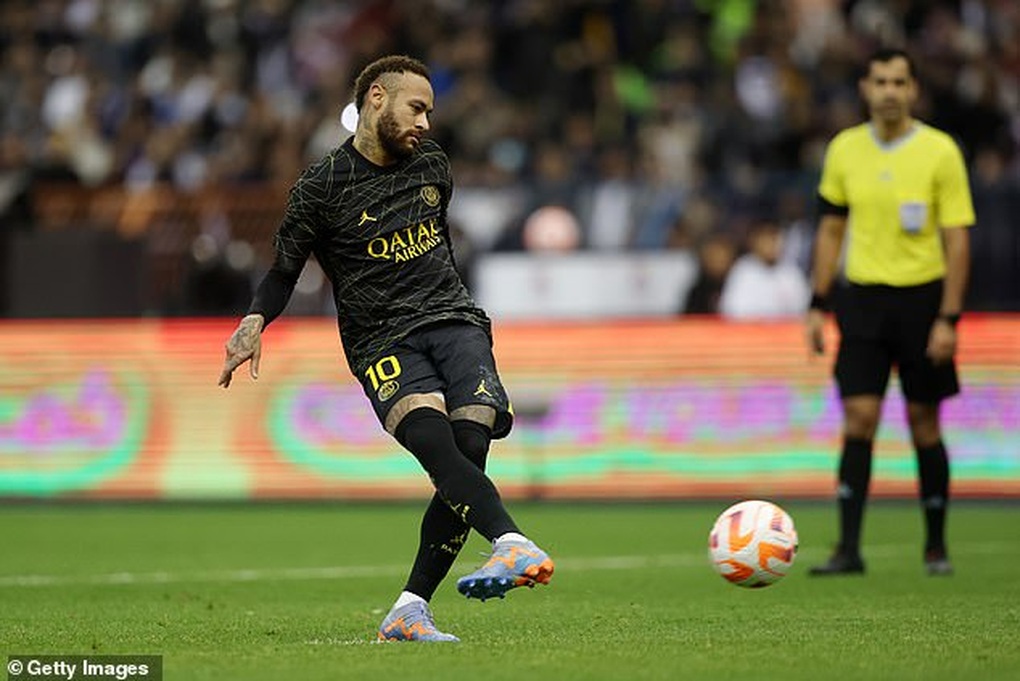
<point>897,189</point>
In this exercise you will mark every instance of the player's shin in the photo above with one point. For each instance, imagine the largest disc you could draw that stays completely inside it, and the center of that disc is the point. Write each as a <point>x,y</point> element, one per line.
<point>442,536</point>
<point>472,496</point>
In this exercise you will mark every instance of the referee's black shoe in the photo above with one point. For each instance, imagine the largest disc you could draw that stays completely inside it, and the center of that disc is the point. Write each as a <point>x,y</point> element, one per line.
<point>840,563</point>
<point>936,563</point>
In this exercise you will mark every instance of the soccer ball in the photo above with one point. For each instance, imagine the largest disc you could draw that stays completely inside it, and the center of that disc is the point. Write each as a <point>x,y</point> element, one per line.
<point>753,543</point>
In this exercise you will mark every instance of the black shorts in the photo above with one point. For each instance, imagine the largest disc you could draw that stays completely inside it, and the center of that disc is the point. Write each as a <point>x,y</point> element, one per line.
<point>882,326</point>
<point>452,358</point>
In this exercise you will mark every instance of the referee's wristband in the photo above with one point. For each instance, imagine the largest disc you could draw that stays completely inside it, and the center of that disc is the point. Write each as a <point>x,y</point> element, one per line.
<point>951,319</point>
<point>819,302</point>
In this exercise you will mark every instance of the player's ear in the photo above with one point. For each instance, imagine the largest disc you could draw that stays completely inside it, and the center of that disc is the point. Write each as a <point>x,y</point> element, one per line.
<point>376,94</point>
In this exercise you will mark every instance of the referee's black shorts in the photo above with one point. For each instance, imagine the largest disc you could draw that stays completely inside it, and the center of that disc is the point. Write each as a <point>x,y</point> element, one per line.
<point>452,358</point>
<point>885,326</point>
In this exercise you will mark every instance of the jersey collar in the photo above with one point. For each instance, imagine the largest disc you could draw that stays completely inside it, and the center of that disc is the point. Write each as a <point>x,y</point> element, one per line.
<point>896,143</point>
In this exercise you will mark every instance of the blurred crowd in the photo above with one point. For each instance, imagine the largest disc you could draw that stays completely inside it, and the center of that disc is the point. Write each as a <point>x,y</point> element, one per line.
<point>645,124</point>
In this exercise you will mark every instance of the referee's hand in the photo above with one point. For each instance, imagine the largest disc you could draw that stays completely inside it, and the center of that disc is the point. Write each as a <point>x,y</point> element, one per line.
<point>941,342</point>
<point>814,327</point>
<point>245,344</point>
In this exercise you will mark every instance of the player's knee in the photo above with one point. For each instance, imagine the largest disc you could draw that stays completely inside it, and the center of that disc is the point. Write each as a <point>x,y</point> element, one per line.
<point>418,428</point>
<point>472,440</point>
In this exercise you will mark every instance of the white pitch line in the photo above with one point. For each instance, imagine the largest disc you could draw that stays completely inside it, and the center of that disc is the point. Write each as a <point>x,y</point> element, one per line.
<point>243,575</point>
<point>337,572</point>
<point>682,560</point>
<point>341,642</point>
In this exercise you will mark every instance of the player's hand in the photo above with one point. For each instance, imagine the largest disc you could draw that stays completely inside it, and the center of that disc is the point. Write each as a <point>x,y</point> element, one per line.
<point>245,344</point>
<point>941,342</point>
<point>814,327</point>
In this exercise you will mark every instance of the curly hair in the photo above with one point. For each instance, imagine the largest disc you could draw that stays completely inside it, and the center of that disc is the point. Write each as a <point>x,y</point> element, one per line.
<point>380,67</point>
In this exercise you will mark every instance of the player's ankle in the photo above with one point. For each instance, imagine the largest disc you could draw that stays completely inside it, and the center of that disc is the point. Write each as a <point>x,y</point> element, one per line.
<point>406,597</point>
<point>509,536</point>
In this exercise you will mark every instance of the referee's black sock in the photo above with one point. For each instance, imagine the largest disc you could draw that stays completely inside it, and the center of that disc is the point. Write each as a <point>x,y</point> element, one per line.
<point>933,471</point>
<point>428,435</point>
<point>443,533</point>
<point>854,478</point>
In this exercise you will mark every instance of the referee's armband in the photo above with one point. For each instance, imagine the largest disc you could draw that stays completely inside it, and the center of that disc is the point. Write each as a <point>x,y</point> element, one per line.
<point>826,207</point>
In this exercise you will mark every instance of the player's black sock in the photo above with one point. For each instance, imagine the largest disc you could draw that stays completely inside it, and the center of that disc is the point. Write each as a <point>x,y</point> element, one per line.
<point>854,477</point>
<point>428,434</point>
<point>443,533</point>
<point>439,543</point>
<point>933,471</point>
<point>473,440</point>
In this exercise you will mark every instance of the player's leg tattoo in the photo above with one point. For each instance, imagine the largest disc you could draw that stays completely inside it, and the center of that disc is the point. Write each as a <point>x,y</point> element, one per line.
<point>478,413</point>
<point>407,403</point>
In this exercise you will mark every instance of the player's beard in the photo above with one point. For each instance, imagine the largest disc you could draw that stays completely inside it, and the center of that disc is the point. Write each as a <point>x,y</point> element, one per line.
<point>391,138</point>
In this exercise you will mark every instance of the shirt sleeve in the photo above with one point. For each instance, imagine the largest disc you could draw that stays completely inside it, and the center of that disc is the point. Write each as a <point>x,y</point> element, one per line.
<point>831,188</point>
<point>294,241</point>
<point>953,205</point>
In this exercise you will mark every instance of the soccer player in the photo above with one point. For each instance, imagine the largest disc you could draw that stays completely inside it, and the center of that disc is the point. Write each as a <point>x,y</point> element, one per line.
<point>897,188</point>
<point>373,212</point>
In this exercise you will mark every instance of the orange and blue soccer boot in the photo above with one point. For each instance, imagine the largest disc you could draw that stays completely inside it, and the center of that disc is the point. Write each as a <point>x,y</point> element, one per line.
<point>412,622</point>
<point>513,563</point>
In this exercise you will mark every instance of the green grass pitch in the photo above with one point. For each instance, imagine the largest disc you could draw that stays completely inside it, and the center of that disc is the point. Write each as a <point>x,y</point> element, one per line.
<point>270,592</point>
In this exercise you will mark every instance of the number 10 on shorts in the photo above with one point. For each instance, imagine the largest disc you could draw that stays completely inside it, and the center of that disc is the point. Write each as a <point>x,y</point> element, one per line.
<point>385,369</point>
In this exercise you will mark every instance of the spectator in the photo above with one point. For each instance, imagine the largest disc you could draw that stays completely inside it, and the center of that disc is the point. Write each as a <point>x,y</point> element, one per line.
<point>715,258</point>
<point>583,104</point>
<point>760,285</point>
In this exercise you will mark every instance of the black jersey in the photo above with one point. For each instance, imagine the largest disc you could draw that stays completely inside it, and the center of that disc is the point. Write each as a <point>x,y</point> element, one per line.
<point>380,235</point>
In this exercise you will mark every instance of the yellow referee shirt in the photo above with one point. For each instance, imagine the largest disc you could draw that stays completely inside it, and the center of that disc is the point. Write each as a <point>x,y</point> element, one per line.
<point>899,195</point>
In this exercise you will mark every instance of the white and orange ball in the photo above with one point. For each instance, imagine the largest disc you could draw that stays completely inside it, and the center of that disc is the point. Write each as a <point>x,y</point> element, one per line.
<point>753,543</point>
